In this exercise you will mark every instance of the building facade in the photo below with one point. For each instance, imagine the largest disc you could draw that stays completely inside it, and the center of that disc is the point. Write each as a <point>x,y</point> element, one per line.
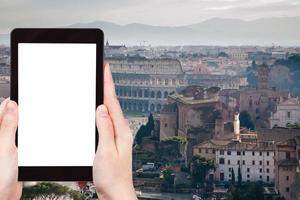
<point>287,162</point>
<point>143,85</point>
<point>287,113</point>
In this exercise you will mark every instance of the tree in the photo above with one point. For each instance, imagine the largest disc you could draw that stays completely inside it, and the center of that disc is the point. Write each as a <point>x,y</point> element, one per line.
<point>170,147</point>
<point>247,191</point>
<point>47,190</point>
<point>199,169</point>
<point>239,176</point>
<point>232,177</point>
<point>246,120</point>
<point>145,130</point>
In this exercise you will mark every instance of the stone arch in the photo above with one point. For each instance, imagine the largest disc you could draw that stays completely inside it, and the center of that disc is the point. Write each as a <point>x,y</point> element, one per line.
<point>129,92</point>
<point>129,106</point>
<point>152,108</point>
<point>158,107</point>
<point>140,93</point>
<point>134,93</point>
<point>146,107</point>
<point>166,94</point>
<point>121,92</point>
<point>152,94</point>
<point>158,94</point>
<point>140,108</point>
<point>146,93</point>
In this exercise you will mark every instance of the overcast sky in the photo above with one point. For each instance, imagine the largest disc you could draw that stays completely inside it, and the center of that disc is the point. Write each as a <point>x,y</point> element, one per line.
<point>42,13</point>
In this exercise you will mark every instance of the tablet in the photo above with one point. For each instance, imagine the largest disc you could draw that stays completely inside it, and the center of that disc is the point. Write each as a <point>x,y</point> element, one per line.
<point>57,81</point>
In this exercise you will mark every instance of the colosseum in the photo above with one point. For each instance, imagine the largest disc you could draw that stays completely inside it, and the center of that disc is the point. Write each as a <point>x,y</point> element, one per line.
<point>143,84</point>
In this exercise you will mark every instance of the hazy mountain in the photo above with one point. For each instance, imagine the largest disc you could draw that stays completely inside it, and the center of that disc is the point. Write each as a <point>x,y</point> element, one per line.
<point>216,31</point>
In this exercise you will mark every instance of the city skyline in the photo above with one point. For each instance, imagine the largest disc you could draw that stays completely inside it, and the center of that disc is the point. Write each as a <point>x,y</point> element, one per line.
<point>158,13</point>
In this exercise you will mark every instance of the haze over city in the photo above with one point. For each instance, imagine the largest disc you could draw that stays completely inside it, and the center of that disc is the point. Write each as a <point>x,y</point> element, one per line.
<point>168,22</point>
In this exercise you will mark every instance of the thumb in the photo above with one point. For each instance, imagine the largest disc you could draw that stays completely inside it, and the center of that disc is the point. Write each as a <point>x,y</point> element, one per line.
<point>105,128</point>
<point>9,122</point>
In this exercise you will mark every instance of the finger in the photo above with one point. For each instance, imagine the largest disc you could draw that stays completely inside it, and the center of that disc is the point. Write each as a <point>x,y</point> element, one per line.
<point>2,108</point>
<point>9,122</point>
<point>112,103</point>
<point>105,129</point>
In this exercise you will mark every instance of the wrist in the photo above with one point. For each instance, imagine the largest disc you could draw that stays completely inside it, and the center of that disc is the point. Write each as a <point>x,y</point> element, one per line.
<point>117,192</point>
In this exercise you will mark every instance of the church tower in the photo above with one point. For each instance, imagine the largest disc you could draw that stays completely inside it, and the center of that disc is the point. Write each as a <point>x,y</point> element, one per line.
<point>263,77</point>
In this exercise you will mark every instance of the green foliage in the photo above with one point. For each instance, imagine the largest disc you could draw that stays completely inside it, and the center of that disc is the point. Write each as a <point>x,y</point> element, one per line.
<point>199,169</point>
<point>232,177</point>
<point>145,130</point>
<point>47,190</point>
<point>239,176</point>
<point>180,140</point>
<point>246,121</point>
<point>168,177</point>
<point>223,54</point>
<point>170,147</point>
<point>247,191</point>
<point>251,74</point>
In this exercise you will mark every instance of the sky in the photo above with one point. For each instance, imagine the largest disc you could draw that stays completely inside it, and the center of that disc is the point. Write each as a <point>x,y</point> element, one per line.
<point>51,13</point>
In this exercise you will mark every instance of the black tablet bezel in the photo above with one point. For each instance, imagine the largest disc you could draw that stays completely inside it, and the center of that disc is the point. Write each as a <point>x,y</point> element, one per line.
<point>46,35</point>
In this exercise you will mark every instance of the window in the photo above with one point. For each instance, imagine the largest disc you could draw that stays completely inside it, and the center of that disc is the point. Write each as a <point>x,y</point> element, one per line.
<point>229,169</point>
<point>253,153</point>
<point>243,153</point>
<point>229,153</point>
<point>287,178</point>
<point>288,155</point>
<point>260,176</point>
<point>268,170</point>
<point>253,162</point>
<point>243,162</point>
<point>260,162</point>
<point>288,114</point>
<point>268,163</point>
<point>206,150</point>
<point>248,176</point>
<point>213,151</point>
<point>221,152</point>
<point>268,153</point>
<point>268,178</point>
<point>260,153</point>
<point>238,162</point>
<point>287,189</point>
<point>248,169</point>
<point>238,153</point>
<point>166,125</point>
<point>221,161</point>
<point>260,170</point>
<point>228,162</point>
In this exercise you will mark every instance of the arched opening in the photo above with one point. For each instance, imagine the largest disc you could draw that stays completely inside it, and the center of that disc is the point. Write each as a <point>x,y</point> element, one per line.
<point>152,94</point>
<point>146,93</point>
<point>145,107</point>
<point>152,107</point>
<point>158,95</point>
<point>140,107</point>
<point>158,107</point>
<point>140,93</point>
<point>166,94</point>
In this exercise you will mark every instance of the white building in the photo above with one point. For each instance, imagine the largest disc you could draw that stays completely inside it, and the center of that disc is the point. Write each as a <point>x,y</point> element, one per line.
<point>254,158</point>
<point>256,162</point>
<point>287,112</point>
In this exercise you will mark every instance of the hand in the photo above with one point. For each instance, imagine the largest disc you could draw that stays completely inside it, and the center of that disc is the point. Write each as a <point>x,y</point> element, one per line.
<point>112,171</point>
<point>10,188</point>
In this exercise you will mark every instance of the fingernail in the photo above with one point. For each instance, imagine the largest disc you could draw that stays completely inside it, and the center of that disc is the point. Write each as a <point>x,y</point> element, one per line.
<point>103,110</point>
<point>11,107</point>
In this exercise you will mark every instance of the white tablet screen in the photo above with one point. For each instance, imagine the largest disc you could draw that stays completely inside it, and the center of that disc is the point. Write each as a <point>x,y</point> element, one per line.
<point>56,97</point>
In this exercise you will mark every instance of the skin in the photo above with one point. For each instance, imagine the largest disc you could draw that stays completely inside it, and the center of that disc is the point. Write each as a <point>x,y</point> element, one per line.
<point>113,160</point>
